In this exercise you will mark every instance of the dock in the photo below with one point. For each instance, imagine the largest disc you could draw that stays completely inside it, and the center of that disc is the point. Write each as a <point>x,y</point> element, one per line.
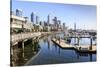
<point>79,48</point>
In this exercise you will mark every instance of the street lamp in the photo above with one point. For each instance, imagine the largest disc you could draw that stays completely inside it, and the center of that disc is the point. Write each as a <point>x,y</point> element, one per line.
<point>90,42</point>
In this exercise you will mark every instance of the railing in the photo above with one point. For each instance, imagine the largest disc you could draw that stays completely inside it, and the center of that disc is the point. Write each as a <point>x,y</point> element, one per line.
<point>21,36</point>
<point>82,36</point>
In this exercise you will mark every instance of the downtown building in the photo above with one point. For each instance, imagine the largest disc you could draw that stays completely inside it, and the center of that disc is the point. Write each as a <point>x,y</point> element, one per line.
<point>18,23</point>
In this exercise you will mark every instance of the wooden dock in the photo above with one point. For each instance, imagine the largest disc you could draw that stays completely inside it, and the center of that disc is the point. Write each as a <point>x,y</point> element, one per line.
<point>79,48</point>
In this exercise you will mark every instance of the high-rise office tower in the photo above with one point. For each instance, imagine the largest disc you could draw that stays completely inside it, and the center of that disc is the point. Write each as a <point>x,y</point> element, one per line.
<point>32,17</point>
<point>48,20</point>
<point>40,22</point>
<point>55,21</point>
<point>37,19</point>
<point>63,26</point>
<point>19,12</point>
<point>75,27</point>
<point>59,23</point>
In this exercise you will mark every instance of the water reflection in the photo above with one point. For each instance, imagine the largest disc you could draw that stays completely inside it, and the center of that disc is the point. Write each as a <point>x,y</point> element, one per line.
<point>59,51</point>
<point>52,54</point>
<point>48,41</point>
<point>21,56</point>
<point>89,55</point>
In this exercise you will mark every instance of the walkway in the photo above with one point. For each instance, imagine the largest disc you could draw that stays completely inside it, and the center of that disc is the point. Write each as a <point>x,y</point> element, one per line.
<point>23,36</point>
<point>79,48</point>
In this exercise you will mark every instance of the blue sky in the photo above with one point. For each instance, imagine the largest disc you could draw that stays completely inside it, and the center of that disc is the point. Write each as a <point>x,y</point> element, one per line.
<point>83,15</point>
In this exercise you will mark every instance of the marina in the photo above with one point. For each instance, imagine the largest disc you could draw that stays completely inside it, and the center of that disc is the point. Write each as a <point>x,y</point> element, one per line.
<point>52,33</point>
<point>79,48</point>
<point>50,52</point>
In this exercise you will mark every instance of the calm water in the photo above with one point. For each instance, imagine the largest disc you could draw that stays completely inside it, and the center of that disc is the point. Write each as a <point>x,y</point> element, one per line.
<point>49,53</point>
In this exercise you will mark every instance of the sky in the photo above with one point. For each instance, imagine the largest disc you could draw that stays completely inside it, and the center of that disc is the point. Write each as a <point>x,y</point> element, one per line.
<point>83,15</point>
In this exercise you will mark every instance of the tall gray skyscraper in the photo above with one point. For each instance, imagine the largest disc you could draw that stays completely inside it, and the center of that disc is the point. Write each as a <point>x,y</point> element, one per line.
<point>37,19</point>
<point>55,23</point>
<point>59,23</point>
<point>19,12</point>
<point>32,17</point>
<point>75,27</point>
<point>63,26</point>
<point>48,21</point>
<point>55,20</point>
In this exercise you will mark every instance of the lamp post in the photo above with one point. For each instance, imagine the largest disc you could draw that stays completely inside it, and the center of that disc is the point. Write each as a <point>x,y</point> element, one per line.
<point>78,40</point>
<point>90,42</point>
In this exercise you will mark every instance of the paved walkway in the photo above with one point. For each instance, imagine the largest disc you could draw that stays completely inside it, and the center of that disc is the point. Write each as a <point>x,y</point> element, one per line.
<point>21,36</point>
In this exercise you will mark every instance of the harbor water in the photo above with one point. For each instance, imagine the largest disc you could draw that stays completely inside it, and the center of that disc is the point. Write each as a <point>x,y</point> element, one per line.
<point>44,51</point>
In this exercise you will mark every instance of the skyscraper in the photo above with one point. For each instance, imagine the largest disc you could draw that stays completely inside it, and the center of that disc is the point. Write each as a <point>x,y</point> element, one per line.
<point>75,27</point>
<point>55,22</point>
<point>32,17</point>
<point>59,23</point>
<point>19,12</point>
<point>48,20</point>
<point>63,26</point>
<point>37,19</point>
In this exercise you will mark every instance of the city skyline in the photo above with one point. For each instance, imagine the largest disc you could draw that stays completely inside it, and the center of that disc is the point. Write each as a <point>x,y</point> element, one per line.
<point>83,15</point>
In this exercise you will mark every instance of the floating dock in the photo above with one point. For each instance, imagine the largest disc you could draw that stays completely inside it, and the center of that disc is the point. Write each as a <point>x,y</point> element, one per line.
<point>78,48</point>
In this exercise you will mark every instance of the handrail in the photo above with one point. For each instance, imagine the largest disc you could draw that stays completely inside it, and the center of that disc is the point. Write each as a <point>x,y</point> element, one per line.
<point>21,36</point>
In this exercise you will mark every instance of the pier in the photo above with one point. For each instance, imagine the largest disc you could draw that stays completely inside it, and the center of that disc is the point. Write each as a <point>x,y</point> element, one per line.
<point>79,48</point>
<point>81,36</point>
<point>23,36</point>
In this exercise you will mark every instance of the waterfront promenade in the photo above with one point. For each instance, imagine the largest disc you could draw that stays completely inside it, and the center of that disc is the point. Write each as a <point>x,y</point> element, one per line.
<point>25,36</point>
<point>21,36</point>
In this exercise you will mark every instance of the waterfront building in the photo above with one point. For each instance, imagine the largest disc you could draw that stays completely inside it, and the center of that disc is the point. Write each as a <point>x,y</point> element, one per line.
<point>38,28</point>
<point>11,12</point>
<point>26,19</point>
<point>20,24</point>
<point>19,12</point>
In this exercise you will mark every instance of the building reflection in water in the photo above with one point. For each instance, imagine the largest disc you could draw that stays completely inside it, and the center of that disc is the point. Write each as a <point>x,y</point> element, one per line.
<point>59,51</point>
<point>84,55</point>
<point>55,46</point>
<point>90,57</point>
<point>20,56</point>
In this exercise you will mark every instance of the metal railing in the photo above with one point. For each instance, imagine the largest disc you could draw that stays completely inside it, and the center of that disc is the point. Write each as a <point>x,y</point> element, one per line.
<point>21,36</point>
